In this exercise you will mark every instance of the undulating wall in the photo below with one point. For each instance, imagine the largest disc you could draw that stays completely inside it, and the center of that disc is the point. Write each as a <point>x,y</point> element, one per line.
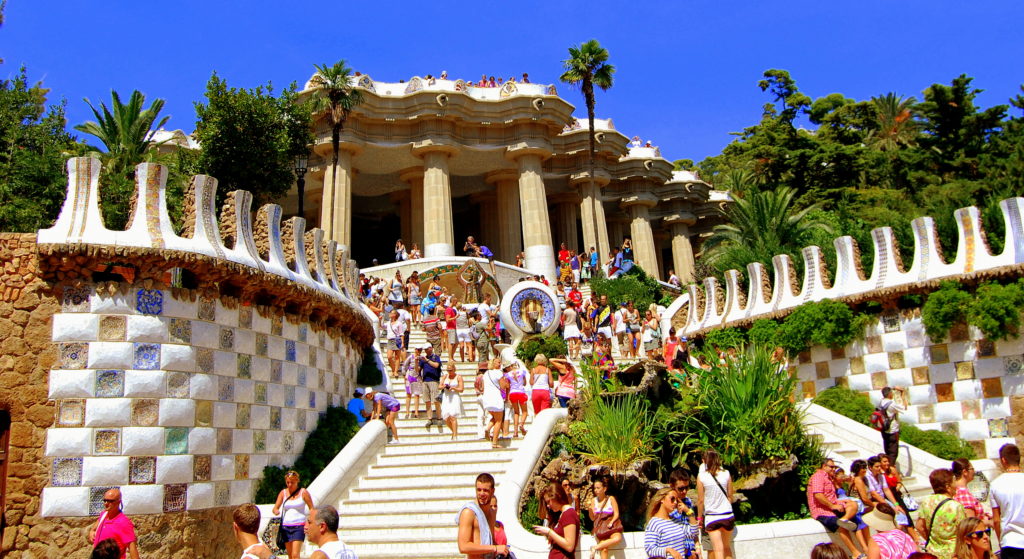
<point>174,367</point>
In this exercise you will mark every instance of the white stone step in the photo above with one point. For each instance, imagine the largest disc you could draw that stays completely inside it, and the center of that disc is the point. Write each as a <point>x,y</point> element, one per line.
<point>421,466</point>
<point>420,517</point>
<point>422,481</point>
<point>440,538</point>
<point>445,531</point>
<point>411,495</point>
<point>446,446</point>
<point>484,455</point>
<point>404,549</point>
<point>362,505</point>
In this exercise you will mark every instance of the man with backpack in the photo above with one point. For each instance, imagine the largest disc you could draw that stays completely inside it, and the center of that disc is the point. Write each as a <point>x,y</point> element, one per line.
<point>886,419</point>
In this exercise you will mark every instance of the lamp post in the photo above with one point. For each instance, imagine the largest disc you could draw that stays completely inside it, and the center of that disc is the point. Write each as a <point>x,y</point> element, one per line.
<point>300,176</point>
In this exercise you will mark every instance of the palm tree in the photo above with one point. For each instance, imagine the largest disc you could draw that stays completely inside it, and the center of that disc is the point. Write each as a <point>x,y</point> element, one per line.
<point>586,67</point>
<point>761,225</point>
<point>894,125</point>
<point>336,96</point>
<point>127,133</point>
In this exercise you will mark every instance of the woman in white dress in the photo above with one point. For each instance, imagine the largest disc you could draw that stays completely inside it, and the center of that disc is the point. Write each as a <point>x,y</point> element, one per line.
<point>495,384</point>
<point>570,331</point>
<point>451,399</point>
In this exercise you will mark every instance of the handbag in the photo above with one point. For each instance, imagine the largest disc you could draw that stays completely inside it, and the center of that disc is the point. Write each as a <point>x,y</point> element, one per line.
<point>909,500</point>
<point>604,526</point>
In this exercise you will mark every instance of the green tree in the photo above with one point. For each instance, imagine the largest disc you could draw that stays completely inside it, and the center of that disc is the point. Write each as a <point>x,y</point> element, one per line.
<point>760,226</point>
<point>250,138</point>
<point>586,67</point>
<point>895,126</point>
<point>335,96</point>
<point>127,134</point>
<point>33,147</point>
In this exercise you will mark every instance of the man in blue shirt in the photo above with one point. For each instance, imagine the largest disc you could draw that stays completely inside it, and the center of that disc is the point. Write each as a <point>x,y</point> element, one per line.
<point>593,262</point>
<point>357,408</point>
<point>430,365</point>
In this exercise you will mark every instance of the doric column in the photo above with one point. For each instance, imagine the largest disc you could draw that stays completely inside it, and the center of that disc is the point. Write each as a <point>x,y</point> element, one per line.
<point>414,177</point>
<point>533,202</point>
<point>682,250</point>
<point>488,206</point>
<point>336,207</point>
<point>438,238</point>
<point>509,218</point>
<point>603,244</point>
<point>640,232</point>
<point>595,230</point>
<point>617,233</point>
<point>568,211</point>
<point>403,199</point>
<point>659,244</point>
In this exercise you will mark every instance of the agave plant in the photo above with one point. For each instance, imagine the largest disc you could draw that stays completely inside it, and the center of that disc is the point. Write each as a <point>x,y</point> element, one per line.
<point>617,433</point>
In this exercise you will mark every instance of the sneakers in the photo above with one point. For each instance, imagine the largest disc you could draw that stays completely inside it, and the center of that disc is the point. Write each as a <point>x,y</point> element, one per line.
<point>848,524</point>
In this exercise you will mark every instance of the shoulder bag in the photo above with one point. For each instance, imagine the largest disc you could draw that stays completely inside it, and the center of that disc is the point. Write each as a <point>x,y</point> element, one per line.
<point>280,540</point>
<point>604,527</point>
<point>931,523</point>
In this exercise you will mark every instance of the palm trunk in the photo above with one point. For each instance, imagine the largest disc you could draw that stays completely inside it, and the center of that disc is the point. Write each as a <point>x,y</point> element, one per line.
<point>588,96</point>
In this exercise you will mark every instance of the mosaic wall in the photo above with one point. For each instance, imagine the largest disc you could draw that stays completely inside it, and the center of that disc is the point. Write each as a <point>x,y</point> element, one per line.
<point>962,385</point>
<point>180,403</point>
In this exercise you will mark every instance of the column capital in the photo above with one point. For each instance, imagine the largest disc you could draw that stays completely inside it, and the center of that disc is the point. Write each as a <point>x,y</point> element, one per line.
<point>681,217</point>
<point>501,175</point>
<point>410,174</point>
<point>528,147</point>
<point>327,151</point>
<point>581,178</point>
<point>645,199</point>
<point>420,149</point>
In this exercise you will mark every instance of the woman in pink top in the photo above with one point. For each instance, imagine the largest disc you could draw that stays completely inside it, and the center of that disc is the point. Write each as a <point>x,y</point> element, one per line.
<point>963,473</point>
<point>565,390</point>
<point>517,398</point>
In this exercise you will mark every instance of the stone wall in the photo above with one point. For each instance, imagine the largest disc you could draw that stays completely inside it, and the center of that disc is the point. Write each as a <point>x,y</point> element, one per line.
<point>965,385</point>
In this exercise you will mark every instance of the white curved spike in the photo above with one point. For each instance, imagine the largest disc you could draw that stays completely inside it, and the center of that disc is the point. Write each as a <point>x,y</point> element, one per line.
<point>847,280</point>
<point>318,257</point>
<point>206,236</point>
<point>79,220</point>
<point>151,224</point>
<point>733,309</point>
<point>783,296</point>
<point>244,251</point>
<point>332,267</point>
<point>1013,244</point>
<point>299,247</point>
<point>756,303</point>
<point>275,252</point>
<point>693,318</point>
<point>711,315</point>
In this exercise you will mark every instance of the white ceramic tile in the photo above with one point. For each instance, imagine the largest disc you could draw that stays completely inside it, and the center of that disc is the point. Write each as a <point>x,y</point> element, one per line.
<point>289,331</point>
<point>224,415</point>
<point>259,417</point>
<point>894,341</point>
<point>111,355</point>
<point>174,469</point>
<point>806,372</point>
<point>241,492</point>
<point>245,341</point>
<point>275,347</point>
<point>72,383</point>
<point>836,368</point>
<point>144,328</point>
<point>142,499</point>
<point>921,394</point>
<point>961,351</point>
<point>205,334</point>
<point>177,412</point>
<point>275,394</point>
<point>916,357</point>
<point>203,387</point>
<point>993,445</point>
<point>899,377</point>
<point>105,470</point>
<point>860,383</point>
<point>275,442</point>
<point>65,501</point>
<point>994,408</point>
<point>1013,386</point>
<point>175,357</point>
<point>260,368</point>
<point>226,316</point>
<point>142,441</point>
<point>75,327</point>
<point>144,384</point>
<point>70,441</point>
<point>948,411</point>
<point>202,440</point>
<point>967,390</point>
<point>222,467</point>
<point>119,303</point>
<point>256,464</point>
<point>974,429</point>
<point>179,308</point>
<point>288,419</point>
<point>200,496</point>
<point>289,373</point>
<point>225,363</point>
<point>107,412</point>
<point>245,391</point>
<point>260,323</point>
<point>876,362</point>
<point>942,373</point>
<point>241,441</point>
<point>1013,346</point>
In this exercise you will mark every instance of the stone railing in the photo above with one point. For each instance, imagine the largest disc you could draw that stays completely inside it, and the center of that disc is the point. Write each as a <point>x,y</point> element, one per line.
<point>468,88</point>
<point>712,307</point>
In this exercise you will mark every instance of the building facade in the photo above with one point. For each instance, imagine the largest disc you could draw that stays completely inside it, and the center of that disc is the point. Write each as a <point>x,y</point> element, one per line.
<point>434,161</point>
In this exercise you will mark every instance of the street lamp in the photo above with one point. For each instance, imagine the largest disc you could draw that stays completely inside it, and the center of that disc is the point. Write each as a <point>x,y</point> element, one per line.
<point>300,175</point>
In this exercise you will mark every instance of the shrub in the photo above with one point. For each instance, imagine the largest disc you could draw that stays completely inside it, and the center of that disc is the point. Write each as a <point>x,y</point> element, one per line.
<point>635,286</point>
<point>764,332</point>
<point>369,373</point>
<point>828,323</point>
<point>551,346</point>
<point>617,432</point>
<point>857,407</point>
<point>995,310</point>
<point>725,338</point>
<point>943,309</point>
<point>333,431</point>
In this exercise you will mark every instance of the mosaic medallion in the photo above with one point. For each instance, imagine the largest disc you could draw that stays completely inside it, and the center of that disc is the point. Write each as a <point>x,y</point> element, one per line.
<point>259,441</point>
<point>145,412</point>
<point>147,357</point>
<point>986,348</point>
<point>221,494</point>
<point>261,393</point>
<point>300,421</point>
<point>301,377</point>
<point>261,345</point>
<point>275,325</point>
<point>112,329</point>
<point>76,299</point>
<point>312,356</point>
<point>224,441</point>
<point>207,309</point>
<point>204,360</point>
<point>245,317</point>
<point>275,417</point>
<point>891,322</point>
<point>107,441</point>
<point>96,499</point>
<point>244,365</point>
<point>109,384</point>
<point>225,389</point>
<point>142,469</point>
<point>74,355</point>
<point>276,371</point>
<point>67,472</point>
<point>289,350</point>
<point>71,413</point>
<point>227,338</point>
<point>175,496</point>
<point>204,413</point>
<point>303,332</point>
<point>241,466</point>
<point>312,401</point>
<point>242,412</point>
<point>1013,365</point>
<point>288,443</point>
<point>998,427</point>
<point>149,301</point>
<point>533,310</point>
<point>178,384</point>
<point>289,397</point>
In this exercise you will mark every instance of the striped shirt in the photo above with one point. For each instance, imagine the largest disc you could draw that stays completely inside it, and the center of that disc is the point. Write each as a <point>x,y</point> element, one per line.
<point>661,534</point>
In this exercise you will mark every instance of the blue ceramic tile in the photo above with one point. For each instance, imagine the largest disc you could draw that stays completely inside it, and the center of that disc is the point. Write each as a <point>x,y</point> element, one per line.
<point>67,472</point>
<point>147,357</point>
<point>142,469</point>
<point>76,299</point>
<point>109,384</point>
<point>289,397</point>
<point>149,301</point>
<point>289,350</point>
<point>96,499</point>
<point>176,440</point>
<point>302,377</point>
<point>312,400</point>
<point>74,355</point>
<point>180,330</point>
<point>303,332</point>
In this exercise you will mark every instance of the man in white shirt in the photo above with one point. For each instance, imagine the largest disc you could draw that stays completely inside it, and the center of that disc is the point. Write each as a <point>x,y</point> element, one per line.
<point>322,531</point>
<point>1007,498</point>
<point>891,432</point>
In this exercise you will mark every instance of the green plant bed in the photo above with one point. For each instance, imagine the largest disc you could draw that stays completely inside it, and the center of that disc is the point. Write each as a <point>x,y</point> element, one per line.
<point>857,407</point>
<point>335,428</point>
<point>550,346</point>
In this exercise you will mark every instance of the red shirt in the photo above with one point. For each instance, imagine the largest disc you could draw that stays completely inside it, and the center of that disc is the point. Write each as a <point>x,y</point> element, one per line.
<point>575,296</point>
<point>820,482</point>
<point>563,256</point>
<point>450,314</point>
<point>567,518</point>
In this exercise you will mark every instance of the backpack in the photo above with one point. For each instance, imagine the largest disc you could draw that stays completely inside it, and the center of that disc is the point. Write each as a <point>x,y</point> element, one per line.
<point>880,420</point>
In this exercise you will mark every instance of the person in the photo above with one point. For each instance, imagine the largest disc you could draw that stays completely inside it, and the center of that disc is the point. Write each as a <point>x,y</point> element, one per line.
<point>494,384</point>
<point>853,506</point>
<point>540,380</point>
<point>564,270</point>
<point>400,253</point>
<point>574,265</point>
<point>685,513</point>
<point>293,504</point>
<point>470,248</point>
<point>827,551</point>
<point>520,260</point>
<point>963,473</point>
<point>825,507</point>
<point>106,549</point>
<point>114,524</point>
<point>891,429</point>
<point>414,298</point>
<point>671,348</point>
<point>605,509</point>
<point>432,324</point>
<point>627,255</point>
<point>246,523</point>
<point>891,544</point>
<point>602,317</point>
<point>633,323</point>
<point>650,334</point>
<point>859,471</point>
<point>594,257</point>
<point>450,315</point>
<point>892,478</point>
<point>476,523</point>
<point>973,540</point>
<point>526,78</point>
<point>673,279</point>
<point>1006,494</point>
<point>430,370</point>
<point>396,340</point>
<point>481,335</point>
<point>714,501</point>
<point>397,292</point>
<point>570,331</point>
<point>564,536</point>
<point>413,382</point>
<point>357,408</point>
<point>517,397</point>
<point>462,332</point>
<point>664,537</point>
<point>565,390</point>
<point>385,407</point>
<point>940,515</point>
<point>882,497</point>
<point>451,399</point>
<point>322,531</point>
<point>414,252</point>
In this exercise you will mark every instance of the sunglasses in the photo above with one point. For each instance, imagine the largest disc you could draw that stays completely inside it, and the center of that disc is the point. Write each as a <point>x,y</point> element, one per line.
<point>110,500</point>
<point>673,500</point>
<point>980,533</point>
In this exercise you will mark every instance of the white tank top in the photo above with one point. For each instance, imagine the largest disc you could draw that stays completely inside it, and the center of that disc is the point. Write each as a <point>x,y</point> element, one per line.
<point>540,382</point>
<point>337,550</point>
<point>294,511</point>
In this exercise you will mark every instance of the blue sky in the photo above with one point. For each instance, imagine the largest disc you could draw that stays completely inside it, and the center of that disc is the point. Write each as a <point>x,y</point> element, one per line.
<point>687,71</point>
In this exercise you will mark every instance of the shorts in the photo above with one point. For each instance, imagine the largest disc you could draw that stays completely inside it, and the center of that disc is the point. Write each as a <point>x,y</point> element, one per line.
<point>451,337</point>
<point>723,524</point>
<point>294,533</point>
<point>394,344</point>
<point>430,390</point>
<point>606,330</point>
<point>830,523</point>
<point>517,397</point>
<point>413,387</point>
<point>394,408</point>
<point>541,399</point>
<point>463,335</point>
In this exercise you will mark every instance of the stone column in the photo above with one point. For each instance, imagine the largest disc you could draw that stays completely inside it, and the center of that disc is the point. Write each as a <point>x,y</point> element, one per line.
<point>659,242</point>
<point>414,177</point>
<point>591,213</point>
<point>682,249</point>
<point>510,222</point>
<point>641,234</point>
<point>616,232</point>
<point>489,226</point>
<point>438,238</point>
<point>540,255</point>
<point>603,244</point>
<point>336,206</point>
<point>567,229</point>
